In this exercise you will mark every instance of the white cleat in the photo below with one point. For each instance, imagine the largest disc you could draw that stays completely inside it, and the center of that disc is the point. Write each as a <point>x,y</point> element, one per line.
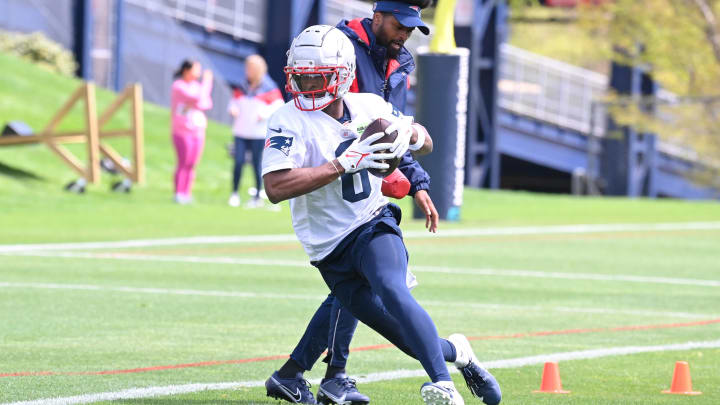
<point>441,393</point>
<point>481,383</point>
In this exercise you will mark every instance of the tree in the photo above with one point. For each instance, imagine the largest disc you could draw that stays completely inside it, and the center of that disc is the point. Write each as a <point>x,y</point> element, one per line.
<point>679,42</point>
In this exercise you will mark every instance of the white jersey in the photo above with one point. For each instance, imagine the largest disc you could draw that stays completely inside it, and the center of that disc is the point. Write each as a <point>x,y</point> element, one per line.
<point>297,139</point>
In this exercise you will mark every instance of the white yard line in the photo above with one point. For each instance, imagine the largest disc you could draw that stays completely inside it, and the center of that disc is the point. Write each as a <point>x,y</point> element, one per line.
<point>318,297</point>
<point>417,269</point>
<point>563,229</point>
<point>142,243</point>
<point>579,310</point>
<point>567,276</point>
<point>168,258</point>
<point>449,233</point>
<point>149,392</point>
<point>159,291</point>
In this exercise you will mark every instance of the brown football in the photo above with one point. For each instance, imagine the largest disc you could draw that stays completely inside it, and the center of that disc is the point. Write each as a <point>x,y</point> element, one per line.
<point>379,125</point>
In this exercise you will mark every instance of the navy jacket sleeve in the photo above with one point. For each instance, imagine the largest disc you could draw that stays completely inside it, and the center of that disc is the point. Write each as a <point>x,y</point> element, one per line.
<point>418,177</point>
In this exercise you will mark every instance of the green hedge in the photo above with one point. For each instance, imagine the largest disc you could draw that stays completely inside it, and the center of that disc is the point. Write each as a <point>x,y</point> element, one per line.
<point>40,50</point>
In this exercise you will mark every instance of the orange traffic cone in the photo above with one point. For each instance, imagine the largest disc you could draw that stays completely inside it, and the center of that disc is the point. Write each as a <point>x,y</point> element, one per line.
<point>681,383</point>
<point>551,379</point>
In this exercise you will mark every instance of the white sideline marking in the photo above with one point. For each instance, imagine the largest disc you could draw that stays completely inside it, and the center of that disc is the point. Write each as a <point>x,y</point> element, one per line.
<point>504,307</point>
<point>149,392</point>
<point>162,291</point>
<point>141,243</point>
<point>450,233</point>
<point>567,276</point>
<point>417,269</point>
<point>168,258</point>
<point>254,295</point>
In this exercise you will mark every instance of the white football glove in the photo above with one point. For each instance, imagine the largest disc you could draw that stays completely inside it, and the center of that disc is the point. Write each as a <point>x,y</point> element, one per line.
<point>403,126</point>
<point>362,155</point>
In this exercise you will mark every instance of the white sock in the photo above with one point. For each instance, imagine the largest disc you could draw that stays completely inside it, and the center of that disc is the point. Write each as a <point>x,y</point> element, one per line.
<point>463,351</point>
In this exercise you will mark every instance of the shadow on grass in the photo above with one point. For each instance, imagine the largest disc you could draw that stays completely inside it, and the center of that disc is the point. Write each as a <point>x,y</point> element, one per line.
<point>19,174</point>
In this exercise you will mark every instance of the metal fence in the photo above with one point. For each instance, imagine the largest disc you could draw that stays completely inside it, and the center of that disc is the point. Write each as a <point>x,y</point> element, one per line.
<point>551,91</point>
<point>240,18</point>
<point>346,10</point>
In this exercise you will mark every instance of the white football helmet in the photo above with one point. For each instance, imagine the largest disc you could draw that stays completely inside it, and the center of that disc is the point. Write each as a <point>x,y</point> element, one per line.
<point>320,67</point>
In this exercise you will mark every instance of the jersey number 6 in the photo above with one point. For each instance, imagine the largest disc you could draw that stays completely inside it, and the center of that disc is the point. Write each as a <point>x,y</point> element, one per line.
<point>349,180</point>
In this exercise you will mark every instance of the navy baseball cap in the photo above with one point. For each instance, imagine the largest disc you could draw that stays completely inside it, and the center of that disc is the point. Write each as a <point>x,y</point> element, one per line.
<point>406,14</point>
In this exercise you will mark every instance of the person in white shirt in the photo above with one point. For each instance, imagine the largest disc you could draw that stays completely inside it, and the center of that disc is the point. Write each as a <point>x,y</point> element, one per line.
<point>252,104</point>
<point>314,157</point>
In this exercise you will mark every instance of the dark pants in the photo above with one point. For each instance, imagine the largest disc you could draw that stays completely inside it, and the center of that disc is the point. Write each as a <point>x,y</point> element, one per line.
<point>255,146</point>
<point>332,327</point>
<point>367,275</point>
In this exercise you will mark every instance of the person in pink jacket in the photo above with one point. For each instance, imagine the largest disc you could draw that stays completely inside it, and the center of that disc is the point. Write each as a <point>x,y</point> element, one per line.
<point>188,101</point>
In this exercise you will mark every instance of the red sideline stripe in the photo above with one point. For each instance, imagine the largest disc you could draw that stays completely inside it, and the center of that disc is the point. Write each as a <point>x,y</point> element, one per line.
<point>28,373</point>
<point>366,348</point>
<point>186,365</point>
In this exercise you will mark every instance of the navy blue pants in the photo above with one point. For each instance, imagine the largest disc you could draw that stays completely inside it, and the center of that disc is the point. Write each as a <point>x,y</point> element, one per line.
<point>367,275</point>
<point>256,148</point>
<point>332,327</point>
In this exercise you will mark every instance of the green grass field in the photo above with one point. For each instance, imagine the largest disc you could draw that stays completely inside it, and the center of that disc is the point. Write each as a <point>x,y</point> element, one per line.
<point>79,320</point>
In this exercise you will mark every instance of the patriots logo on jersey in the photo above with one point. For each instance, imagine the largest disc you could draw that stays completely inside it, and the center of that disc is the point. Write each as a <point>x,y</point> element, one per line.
<point>281,143</point>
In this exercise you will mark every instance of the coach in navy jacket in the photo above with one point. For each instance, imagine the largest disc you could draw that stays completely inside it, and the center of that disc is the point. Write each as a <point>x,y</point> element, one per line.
<point>375,73</point>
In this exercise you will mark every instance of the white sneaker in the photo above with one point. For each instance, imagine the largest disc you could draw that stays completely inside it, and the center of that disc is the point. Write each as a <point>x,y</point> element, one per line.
<point>234,200</point>
<point>183,199</point>
<point>441,393</point>
<point>252,192</point>
<point>254,203</point>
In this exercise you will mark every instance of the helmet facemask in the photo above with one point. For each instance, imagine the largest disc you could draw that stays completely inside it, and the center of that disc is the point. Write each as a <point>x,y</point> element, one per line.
<point>315,87</point>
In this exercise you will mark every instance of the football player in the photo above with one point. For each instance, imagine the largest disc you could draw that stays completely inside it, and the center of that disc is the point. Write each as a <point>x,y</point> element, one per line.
<point>314,157</point>
<point>382,66</point>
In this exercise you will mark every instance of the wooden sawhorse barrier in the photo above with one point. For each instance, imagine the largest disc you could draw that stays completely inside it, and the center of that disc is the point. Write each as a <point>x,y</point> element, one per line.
<point>94,133</point>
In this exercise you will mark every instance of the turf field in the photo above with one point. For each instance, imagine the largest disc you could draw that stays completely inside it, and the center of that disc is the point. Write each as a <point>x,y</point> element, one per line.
<point>199,304</point>
<point>83,319</point>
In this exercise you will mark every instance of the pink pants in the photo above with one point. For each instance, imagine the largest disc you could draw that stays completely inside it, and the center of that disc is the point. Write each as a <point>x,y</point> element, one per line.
<point>188,149</point>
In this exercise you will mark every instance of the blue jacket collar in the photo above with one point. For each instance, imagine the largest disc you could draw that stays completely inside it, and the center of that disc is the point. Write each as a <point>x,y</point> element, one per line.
<point>403,58</point>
